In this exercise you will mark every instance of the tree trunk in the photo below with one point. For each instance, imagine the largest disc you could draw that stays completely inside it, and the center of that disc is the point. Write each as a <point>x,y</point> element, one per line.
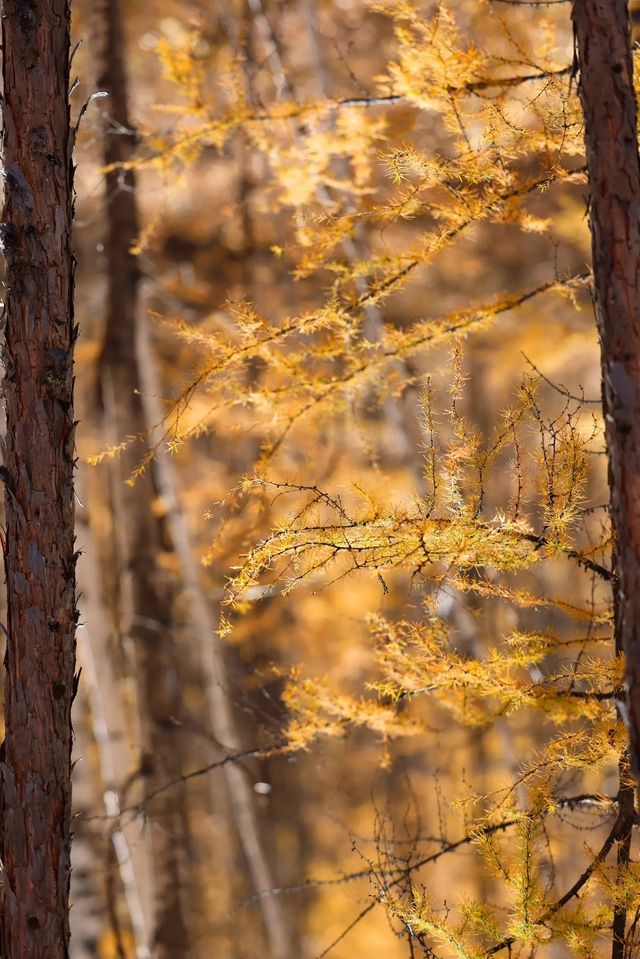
<point>606,91</point>
<point>222,721</point>
<point>122,376</point>
<point>38,476</point>
<point>147,593</point>
<point>108,717</point>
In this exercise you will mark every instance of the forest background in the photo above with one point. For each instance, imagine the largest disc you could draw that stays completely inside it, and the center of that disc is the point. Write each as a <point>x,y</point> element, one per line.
<point>349,679</point>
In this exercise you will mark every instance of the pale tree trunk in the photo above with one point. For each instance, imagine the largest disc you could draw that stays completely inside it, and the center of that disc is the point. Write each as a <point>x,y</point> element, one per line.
<point>603,47</point>
<point>121,354</point>
<point>87,914</point>
<point>38,475</point>
<point>219,702</point>
<point>147,593</point>
<point>111,733</point>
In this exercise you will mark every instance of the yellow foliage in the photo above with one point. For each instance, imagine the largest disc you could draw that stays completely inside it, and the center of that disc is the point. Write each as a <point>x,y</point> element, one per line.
<point>497,515</point>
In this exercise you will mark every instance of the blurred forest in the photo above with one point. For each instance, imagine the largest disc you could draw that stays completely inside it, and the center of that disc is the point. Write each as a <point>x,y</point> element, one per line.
<point>348,671</point>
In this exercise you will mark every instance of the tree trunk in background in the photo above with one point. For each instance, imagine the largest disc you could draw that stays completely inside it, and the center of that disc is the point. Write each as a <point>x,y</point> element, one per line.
<point>608,100</point>
<point>87,883</point>
<point>38,475</point>
<point>109,729</point>
<point>121,378</point>
<point>147,592</point>
<point>217,686</point>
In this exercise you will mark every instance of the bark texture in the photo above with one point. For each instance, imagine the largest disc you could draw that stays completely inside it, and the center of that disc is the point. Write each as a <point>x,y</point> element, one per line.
<point>603,45</point>
<point>38,475</point>
<point>146,591</point>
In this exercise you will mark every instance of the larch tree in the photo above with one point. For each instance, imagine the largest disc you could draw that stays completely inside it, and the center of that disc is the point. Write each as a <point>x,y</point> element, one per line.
<point>38,477</point>
<point>501,511</point>
<point>608,99</point>
<point>506,129</point>
<point>603,43</point>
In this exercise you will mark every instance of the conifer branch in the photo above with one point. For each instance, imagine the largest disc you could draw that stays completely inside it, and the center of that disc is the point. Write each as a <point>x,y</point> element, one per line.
<point>399,874</point>
<point>570,894</point>
<point>412,541</point>
<point>474,86</point>
<point>608,575</point>
<point>288,111</point>
<point>139,808</point>
<point>493,148</point>
<point>391,282</point>
<point>423,335</point>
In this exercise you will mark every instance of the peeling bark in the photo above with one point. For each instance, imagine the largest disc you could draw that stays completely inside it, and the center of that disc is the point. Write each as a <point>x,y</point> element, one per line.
<point>38,476</point>
<point>603,46</point>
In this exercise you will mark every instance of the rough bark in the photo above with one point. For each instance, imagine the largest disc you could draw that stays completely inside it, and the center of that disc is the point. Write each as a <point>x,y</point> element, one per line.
<point>603,45</point>
<point>147,593</point>
<point>38,476</point>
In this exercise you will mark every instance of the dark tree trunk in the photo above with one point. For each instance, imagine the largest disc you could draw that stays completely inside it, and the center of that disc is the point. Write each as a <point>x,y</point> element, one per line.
<point>147,592</point>
<point>603,47</point>
<point>38,475</point>
<point>122,215</point>
<point>603,44</point>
